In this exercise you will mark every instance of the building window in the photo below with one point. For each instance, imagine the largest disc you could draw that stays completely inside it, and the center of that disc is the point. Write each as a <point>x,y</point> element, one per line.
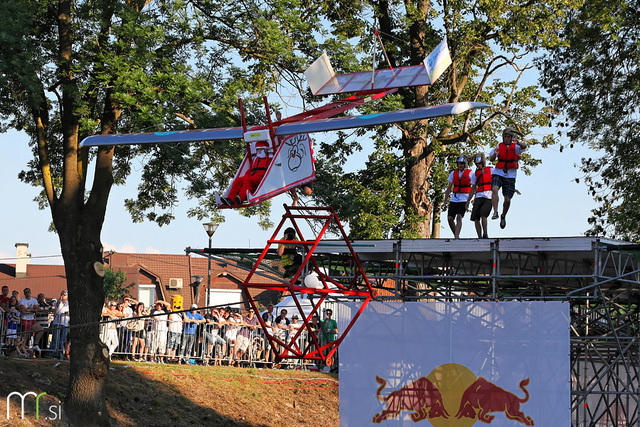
<point>147,294</point>
<point>224,297</point>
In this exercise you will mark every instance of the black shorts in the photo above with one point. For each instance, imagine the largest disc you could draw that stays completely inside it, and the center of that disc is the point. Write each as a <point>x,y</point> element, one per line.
<point>139,334</point>
<point>456,208</point>
<point>481,208</point>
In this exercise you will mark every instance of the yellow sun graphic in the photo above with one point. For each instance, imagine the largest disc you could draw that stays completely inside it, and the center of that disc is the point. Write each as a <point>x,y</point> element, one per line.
<point>452,380</point>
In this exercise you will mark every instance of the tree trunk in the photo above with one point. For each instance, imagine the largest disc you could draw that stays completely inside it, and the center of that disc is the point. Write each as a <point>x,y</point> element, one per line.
<point>419,154</point>
<point>79,224</point>
<point>420,160</point>
<point>79,234</point>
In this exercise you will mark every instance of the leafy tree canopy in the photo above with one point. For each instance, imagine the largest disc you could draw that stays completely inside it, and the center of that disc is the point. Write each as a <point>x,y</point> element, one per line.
<point>593,77</point>
<point>168,65</point>
<point>72,69</point>
<point>400,190</point>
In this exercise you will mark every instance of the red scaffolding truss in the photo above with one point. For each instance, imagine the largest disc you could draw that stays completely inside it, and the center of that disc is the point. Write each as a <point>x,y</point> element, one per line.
<point>319,288</point>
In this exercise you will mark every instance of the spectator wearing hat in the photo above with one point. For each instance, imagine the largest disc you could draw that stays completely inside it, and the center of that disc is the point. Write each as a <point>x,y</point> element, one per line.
<point>295,326</point>
<point>191,320</point>
<point>459,188</point>
<point>481,189</point>
<point>504,174</point>
<point>251,179</point>
<point>281,325</point>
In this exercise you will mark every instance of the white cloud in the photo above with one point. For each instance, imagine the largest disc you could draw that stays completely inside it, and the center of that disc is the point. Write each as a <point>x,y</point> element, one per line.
<point>130,249</point>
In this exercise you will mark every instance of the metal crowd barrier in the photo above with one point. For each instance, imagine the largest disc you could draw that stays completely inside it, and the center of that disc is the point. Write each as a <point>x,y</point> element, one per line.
<point>120,341</point>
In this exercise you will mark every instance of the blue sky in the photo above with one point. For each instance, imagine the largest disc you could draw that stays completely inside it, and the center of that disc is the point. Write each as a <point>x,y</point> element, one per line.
<point>551,205</point>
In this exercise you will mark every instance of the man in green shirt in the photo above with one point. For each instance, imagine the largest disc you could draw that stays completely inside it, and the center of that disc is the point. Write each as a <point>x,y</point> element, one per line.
<point>329,327</point>
<point>330,331</point>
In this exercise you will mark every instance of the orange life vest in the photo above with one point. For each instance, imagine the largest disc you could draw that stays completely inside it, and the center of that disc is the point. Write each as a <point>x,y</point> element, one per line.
<point>483,179</point>
<point>461,184</point>
<point>507,157</point>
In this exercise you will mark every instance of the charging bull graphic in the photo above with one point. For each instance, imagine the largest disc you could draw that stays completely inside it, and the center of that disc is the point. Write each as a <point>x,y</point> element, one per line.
<point>420,396</point>
<point>449,388</point>
<point>483,397</point>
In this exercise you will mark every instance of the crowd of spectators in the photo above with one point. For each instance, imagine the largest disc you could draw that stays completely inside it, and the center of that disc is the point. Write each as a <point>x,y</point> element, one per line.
<point>34,326</point>
<point>220,336</point>
<point>39,327</point>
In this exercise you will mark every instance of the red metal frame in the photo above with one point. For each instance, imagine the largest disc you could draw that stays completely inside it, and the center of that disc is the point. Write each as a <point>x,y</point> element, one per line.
<point>314,350</point>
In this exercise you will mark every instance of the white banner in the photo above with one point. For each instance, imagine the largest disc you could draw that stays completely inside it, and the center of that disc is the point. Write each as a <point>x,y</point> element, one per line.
<point>438,61</point>
<point>456,364</point>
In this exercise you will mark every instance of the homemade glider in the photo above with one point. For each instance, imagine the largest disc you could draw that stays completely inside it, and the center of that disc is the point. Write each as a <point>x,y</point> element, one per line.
<point>291,147</point>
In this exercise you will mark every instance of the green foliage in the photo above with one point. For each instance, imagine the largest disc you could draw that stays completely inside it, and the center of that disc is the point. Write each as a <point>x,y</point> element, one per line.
<point>115,286</point>
<point>593,78</point>
<point>488,41</point>
<point>171,65</point>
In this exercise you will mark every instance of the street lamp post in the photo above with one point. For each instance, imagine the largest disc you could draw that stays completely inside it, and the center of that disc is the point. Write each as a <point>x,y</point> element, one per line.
<point>210,228</point>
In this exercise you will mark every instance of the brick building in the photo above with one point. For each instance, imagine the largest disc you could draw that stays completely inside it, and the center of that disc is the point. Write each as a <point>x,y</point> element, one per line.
<point>154,276</point>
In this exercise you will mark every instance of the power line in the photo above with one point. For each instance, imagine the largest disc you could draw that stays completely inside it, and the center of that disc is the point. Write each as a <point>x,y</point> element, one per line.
<point>32,257</point>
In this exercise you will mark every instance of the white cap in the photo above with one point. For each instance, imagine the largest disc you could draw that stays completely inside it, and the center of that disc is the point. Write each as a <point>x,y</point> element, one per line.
<point>194,306</point>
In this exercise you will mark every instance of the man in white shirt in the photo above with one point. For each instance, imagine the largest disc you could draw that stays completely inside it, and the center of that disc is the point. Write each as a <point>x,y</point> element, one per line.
<point>505,171</point>
<point>481,188</point>
<point>28,306</point>
<point>459,188</point>
<point>157,337</point>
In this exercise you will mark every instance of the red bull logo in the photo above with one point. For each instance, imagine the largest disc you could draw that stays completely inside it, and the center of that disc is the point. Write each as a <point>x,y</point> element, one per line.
<point>420,396</point>
<point>453,389</point>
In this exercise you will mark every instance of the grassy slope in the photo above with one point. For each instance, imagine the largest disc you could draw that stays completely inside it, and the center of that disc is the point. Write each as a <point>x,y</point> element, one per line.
<point>141,394</point>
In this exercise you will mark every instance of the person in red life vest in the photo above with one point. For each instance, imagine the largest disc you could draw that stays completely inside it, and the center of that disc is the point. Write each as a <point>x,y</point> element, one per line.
<point>504,173</point>
<point>459,189</point>
<point>251,179</point>
<point>481,188</point>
